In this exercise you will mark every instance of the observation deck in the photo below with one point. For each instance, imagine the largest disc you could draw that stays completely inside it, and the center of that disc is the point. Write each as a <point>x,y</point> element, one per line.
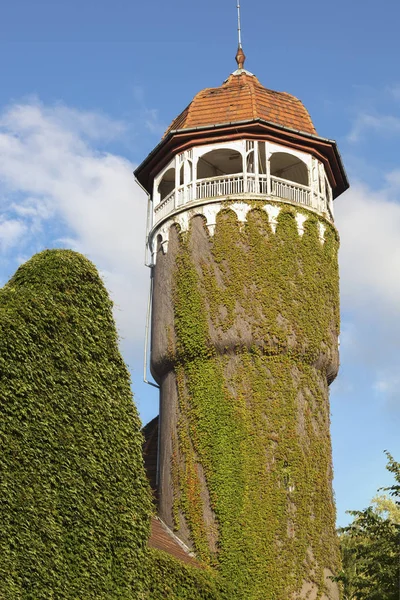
<point>239,143</point>
<point>240,170</point>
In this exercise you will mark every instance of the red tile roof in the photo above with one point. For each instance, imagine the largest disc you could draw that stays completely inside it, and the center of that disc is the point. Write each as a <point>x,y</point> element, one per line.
<point>162,539</point>
<point>242,98</point>
<point>160,536</point>
<point>150,451</point>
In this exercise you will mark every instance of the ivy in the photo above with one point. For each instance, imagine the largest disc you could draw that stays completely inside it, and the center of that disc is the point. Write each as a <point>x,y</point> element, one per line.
<point>256,321</point>
<point>75,504</point>
<point>170,579</point>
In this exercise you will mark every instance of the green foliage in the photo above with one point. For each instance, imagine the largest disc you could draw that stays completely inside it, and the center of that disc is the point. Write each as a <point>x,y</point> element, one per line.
<point>370,548</point>
<point>171,579</point>
<point>255,419</point>
<point>386,507</point>
<point>75,503</point>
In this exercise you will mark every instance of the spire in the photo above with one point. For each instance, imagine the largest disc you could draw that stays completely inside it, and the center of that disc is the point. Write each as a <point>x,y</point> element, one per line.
<point>240,56</point>
<point>239,27</point>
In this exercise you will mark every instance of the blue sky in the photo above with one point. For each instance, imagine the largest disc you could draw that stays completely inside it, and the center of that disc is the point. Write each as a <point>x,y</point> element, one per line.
<point>87,89</point>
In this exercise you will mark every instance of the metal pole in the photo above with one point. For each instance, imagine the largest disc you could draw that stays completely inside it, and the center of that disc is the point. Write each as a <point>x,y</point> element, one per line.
<point>239,27</point>
<point>146,335</point>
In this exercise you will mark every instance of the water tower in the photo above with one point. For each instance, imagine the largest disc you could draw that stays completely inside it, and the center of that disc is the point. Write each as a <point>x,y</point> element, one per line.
<point>244,335</point>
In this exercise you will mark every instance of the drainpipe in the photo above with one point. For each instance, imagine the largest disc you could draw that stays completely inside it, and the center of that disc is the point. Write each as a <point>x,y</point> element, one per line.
<point>151,266</point>
<point>146,335</point>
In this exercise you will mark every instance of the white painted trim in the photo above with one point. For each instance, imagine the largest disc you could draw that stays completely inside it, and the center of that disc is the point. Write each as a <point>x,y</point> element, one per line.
<point>209,210</point>
<point>239,186</point>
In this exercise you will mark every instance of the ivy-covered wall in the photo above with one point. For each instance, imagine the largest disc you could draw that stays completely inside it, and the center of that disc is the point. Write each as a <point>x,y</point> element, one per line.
<point>246,324</point>
<point>170,579</point>
<point>74,501</point>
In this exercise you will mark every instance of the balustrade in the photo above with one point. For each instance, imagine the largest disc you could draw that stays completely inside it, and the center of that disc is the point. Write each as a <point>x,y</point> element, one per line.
<point>233,185</point>
<point>217,186</point>
<point>290,191</point>
<point>164,207</point>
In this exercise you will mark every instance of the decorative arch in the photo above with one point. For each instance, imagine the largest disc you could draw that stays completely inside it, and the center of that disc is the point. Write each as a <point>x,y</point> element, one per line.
<point>209,212</point>
<point>167,183</point>
<point>290,167</point>
<point>219,162</point>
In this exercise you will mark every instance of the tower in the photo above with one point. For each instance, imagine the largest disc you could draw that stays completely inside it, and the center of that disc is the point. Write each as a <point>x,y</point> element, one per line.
<point>244,342</point>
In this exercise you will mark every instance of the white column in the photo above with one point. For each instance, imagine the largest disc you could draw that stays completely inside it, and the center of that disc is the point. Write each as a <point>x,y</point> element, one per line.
<point>177,176</point>
<point>243,152</point>
<point>186,178</point>
<point>268,166</point>
<point>322,198</point>
<point>194,180</point>
<point>256,167</point>
<point>312,179</point>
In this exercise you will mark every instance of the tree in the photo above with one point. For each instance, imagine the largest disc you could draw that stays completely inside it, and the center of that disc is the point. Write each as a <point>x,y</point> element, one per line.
<point>386,507</point>
<point>370,547</point>
<point>74,499</point>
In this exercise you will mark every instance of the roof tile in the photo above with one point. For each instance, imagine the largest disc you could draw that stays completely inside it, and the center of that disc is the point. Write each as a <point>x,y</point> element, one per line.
<point>241,98</point>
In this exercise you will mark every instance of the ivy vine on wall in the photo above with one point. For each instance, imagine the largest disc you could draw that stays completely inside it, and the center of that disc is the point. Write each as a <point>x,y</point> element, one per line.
<point>256,322</point>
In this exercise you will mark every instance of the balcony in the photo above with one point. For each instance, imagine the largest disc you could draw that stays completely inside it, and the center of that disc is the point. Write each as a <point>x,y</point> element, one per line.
<point>241,170</point>
<point>232,186</point>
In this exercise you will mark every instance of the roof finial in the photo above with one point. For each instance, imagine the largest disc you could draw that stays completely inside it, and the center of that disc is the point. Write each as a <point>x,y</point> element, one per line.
<point>240,57</point>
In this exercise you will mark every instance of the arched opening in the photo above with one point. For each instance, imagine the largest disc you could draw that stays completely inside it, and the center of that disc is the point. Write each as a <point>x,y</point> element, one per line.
<point>218,163</point>
<point>287,166</point>
<point>262,159</point>
<point>250,162</point>
<point>167,184</point>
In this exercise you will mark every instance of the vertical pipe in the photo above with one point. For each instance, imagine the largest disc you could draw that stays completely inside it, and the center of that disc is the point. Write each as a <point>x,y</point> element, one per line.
<point>146,334</point>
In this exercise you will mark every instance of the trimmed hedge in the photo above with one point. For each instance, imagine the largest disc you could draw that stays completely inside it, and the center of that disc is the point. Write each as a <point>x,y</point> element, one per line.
<point>75,502</point>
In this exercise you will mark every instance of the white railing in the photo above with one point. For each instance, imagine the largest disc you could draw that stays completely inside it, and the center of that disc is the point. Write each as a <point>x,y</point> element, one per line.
<point>291,191</point>
<point>164,207</point>
<point>217,186</point>
<point>251,184</point>
<point>180,196</point>
<point>231,185</point>
<point>264,185</point>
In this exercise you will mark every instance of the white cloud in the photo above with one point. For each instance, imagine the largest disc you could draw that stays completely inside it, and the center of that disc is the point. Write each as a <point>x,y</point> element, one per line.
<point>366,123</point>
<point>394,91</point>
<point>153,123</point>
<point>57,188</point>
<point>54,181</point>
<point>369,226</point>
<point>11,231</point>
<point>387,385</point>
<point>150,116</point>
